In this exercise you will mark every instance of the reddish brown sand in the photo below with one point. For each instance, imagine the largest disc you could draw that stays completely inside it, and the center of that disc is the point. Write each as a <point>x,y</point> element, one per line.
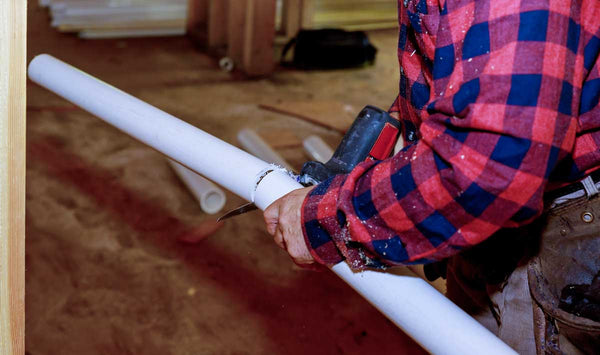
<point>106,273</point>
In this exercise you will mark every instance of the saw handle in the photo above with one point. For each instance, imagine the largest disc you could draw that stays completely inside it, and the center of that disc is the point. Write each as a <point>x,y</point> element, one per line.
<point>373,135</point>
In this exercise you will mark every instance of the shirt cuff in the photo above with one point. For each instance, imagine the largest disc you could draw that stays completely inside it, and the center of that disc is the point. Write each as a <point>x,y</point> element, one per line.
<point>324,226</point>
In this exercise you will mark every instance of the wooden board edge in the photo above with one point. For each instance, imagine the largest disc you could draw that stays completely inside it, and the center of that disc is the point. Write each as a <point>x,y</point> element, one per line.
<point>13,28</point>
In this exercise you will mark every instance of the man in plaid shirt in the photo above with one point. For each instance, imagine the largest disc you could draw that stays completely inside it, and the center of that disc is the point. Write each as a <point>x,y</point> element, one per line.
<point>499,105</point>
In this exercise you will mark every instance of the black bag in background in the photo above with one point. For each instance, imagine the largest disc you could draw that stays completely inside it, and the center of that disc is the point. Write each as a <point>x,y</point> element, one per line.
<point>330,49</point>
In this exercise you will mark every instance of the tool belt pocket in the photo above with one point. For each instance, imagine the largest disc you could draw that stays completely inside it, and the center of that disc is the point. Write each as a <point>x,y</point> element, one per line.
<point>568,260</point>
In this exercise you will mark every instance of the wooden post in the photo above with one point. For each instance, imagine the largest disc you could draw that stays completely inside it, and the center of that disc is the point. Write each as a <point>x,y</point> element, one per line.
<point>13,28</point>
<point>296,15</point>
<point>291,17</point>
<point>259,37</point>
<point>217,23</point>
<point>236,23</point>
<point>247,28</point>
<point>308,13</point>
<point>197,19</point>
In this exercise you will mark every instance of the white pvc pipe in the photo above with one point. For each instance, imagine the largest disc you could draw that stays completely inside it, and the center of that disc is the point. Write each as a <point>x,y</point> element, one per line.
<point>412,304</point>
<point>210,197</point>
<point>416,307</point>
<point>214,159</point>
<point>317,149</point>
<point>255,145</point>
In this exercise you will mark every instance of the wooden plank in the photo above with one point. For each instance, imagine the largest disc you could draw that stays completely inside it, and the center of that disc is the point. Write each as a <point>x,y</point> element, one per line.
<point>258,55</point>
<point>236,23</point>
<point>197,20</point>
<point>217,23</point>
<point>357,5</point>
<point>351,17</point>
<point>370,26</point>
<point>349,14</point>
<point>197,14</point>
<point>308,13</point>
<point>291,17</point>
<point>13,28</point>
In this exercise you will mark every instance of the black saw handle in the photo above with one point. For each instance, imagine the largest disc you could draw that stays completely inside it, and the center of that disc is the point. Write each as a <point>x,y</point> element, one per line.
<point>373,135</point>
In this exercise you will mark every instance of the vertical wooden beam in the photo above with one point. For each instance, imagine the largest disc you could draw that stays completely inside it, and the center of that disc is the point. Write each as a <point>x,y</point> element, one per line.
<point>308,13</point>
<point>197,14</point>
<point>217,23</point>
<point>236,23</point>
<point>197,18</point>
<point>259,37</point>
<point>13,28</point>
<point>291,19</point>
<point>297,15</point>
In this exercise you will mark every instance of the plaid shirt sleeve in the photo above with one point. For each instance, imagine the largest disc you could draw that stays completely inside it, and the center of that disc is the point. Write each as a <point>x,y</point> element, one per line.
<point>492,91</point>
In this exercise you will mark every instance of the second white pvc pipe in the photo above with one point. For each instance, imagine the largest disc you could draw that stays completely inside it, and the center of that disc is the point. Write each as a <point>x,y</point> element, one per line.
<point>317,149</point>
<point>255,145</point>
<point>411,303</point>
<point>210,197</point>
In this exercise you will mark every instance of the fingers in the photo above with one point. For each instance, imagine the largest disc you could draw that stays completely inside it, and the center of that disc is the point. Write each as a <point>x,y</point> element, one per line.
<point>294,244</point>
<point>284,223</point>
<point>272,227</point>
<point>300,254</point>
<point>278,238</point>
<point>288,239</point>
<point>271,216</point>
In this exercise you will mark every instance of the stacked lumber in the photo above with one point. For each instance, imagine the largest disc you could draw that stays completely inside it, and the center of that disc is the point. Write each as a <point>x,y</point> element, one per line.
<point>118,18</point>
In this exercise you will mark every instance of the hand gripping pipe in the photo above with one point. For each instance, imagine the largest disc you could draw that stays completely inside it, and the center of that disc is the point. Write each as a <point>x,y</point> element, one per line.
<point>412,304</point>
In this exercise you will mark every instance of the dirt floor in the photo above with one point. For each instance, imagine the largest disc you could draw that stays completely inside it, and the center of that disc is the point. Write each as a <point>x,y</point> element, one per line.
<point>105,272</point>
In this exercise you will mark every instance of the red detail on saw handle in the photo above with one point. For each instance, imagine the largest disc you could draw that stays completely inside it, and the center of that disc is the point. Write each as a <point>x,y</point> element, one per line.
<point>385,142</point>
<point>372,136</point>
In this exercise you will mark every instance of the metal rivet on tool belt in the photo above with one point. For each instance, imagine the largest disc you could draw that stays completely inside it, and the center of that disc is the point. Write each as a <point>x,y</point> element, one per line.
<point>587,217</point>
<point>563,232</point>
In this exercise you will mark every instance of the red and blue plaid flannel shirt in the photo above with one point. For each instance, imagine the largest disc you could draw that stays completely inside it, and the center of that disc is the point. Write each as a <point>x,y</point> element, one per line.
<point>499,103</point>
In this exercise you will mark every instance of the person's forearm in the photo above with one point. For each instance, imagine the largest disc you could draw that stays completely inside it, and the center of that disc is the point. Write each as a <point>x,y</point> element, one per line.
<point>491,132</point>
